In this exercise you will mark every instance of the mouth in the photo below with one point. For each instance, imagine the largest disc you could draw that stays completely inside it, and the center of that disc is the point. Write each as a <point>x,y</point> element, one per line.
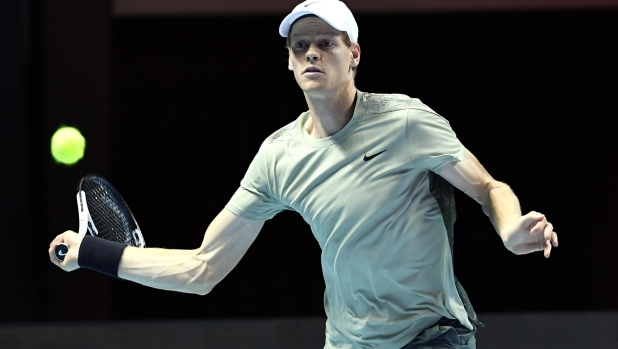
<point>312,69</point>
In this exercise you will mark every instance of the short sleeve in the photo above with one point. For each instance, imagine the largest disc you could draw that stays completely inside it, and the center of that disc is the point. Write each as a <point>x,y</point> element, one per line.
<point>431,141</point>
<point>253,199</point>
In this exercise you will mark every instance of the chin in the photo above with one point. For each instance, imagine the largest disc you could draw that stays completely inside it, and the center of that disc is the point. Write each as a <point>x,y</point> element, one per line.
<point>313,85</point>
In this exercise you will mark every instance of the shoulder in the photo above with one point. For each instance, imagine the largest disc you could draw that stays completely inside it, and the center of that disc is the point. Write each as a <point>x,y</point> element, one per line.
<point>277,142</point>
<point>286,133</point>
<point>379,103</point>
<point>271,148</point>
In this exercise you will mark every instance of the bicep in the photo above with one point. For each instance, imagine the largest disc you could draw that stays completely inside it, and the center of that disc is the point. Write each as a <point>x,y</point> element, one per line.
<point>469,176</point>
<point>227,239</point>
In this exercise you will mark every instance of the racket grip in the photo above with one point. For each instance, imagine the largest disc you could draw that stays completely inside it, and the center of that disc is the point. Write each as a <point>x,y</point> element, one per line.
<point>61,250</point>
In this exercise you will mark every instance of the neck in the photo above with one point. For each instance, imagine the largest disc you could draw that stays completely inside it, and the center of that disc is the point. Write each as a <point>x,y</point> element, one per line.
<point>330,112</point>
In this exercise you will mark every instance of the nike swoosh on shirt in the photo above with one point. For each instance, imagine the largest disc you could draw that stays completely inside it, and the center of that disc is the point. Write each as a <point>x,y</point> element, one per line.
<point>367,158</point>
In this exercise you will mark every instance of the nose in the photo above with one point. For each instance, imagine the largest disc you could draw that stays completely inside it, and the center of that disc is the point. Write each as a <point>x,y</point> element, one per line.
<point>312,56</point>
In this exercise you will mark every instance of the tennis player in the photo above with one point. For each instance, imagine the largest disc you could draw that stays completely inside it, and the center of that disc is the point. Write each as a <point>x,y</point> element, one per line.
<point>359,167</point>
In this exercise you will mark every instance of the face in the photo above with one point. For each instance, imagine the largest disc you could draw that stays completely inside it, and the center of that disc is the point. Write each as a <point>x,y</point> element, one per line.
<point>319,58</point>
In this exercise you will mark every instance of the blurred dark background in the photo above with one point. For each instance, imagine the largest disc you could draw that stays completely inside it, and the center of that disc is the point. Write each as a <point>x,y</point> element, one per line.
<point>174,108</point>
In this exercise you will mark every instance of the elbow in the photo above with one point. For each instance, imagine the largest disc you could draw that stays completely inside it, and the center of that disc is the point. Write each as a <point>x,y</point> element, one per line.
<point>200,278</point>
<point>203,287</point>
<point>205,279</point>
<point>203,291</point>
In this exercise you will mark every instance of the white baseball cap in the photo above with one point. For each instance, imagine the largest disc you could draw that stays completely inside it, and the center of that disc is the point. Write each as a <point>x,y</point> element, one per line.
<point>333,12</point>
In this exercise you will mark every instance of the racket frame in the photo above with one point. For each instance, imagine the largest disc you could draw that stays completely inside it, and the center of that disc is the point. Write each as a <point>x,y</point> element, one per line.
<point>86,224</point>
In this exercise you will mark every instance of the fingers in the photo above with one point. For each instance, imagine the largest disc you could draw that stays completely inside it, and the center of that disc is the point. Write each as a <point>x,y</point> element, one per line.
<point>546,237</point>
<point>546,248</point>
<point>549,238</point>
<point>52,256</point>
<point>535,222</point>
<point>547,231</point>
<point>52,247</point>
<point>56,240</point>
<point>65,237</point>
<point>71,239</point>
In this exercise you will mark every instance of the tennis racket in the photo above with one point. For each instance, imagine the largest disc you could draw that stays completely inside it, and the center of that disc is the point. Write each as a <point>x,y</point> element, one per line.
<point>104,214</point>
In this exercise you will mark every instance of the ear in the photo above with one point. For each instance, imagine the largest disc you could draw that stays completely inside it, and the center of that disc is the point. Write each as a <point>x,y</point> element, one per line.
<point>355,55</point>
<point>290,67</point>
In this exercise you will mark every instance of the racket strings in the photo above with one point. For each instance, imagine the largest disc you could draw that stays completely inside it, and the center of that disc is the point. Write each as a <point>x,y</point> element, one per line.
<point>109,218</point>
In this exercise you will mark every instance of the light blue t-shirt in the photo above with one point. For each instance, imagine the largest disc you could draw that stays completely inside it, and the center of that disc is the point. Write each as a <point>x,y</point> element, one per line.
<point>365,193</point>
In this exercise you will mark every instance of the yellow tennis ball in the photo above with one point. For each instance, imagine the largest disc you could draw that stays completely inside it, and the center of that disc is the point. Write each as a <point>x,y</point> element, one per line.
<point>67,145</point>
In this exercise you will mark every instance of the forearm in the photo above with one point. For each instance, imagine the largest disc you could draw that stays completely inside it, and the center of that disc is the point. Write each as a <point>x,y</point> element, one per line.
<point>502,207</point>
<point>226,240</point>
<point>192,271</point>
<point>175,270</point>
<point>520,234</point>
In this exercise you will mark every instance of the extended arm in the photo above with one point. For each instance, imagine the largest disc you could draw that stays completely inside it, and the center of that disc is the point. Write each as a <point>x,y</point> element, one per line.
<point>520,234</point>
<point>192,271</point>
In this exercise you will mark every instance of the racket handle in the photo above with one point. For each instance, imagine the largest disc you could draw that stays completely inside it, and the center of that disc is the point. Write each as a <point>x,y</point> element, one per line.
<point>61,251</point>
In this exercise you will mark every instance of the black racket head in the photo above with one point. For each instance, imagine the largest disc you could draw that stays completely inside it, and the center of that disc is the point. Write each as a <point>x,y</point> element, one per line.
<point>111,217</point>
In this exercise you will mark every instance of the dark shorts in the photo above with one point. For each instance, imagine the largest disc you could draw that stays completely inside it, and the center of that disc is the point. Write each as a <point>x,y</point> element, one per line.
<point>446,333</point>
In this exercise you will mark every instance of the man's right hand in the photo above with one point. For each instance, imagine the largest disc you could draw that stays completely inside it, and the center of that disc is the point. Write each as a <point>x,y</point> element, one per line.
<point>73,241</point>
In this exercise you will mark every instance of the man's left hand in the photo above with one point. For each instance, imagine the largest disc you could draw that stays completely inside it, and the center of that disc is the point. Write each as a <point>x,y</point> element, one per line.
<point>530,233</point>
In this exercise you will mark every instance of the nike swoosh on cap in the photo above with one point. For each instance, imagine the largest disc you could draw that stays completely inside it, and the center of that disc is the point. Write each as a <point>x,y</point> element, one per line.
<point>311,3</point>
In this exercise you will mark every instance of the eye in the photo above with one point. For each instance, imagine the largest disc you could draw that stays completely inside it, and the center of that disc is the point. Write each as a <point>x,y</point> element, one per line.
<point>328,44</point>
<point>298,45</point>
